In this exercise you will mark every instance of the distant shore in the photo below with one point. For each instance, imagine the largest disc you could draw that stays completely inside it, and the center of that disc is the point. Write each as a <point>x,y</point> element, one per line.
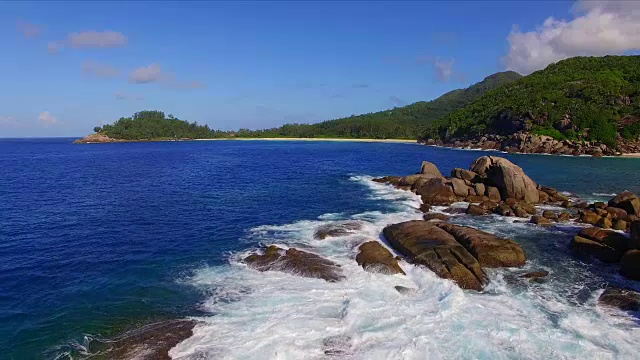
<point>321,139</point>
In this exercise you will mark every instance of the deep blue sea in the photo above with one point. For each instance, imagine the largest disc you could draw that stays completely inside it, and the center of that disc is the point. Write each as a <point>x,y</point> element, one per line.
<point>99,238</point>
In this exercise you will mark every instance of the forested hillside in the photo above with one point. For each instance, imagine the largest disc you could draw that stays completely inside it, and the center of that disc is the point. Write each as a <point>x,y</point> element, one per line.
<point>582,98</point>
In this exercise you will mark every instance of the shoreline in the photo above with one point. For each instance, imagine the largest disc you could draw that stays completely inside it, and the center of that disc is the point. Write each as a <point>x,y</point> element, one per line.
<point>406,141</point>
<point>626,155</point>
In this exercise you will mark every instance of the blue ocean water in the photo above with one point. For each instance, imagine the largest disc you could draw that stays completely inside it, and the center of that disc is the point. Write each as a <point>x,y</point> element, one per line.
<point>98,238</point>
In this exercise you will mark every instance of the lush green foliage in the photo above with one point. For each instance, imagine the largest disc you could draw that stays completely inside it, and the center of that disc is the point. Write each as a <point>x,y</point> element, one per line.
<point>592,92</point>
<point>155,125</point>
<point>406,122</point>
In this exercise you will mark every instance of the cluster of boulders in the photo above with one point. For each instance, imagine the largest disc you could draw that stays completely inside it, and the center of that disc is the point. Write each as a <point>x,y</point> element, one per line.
<point>96,139</point>
<point>528,143</point>
<point>618,213</point>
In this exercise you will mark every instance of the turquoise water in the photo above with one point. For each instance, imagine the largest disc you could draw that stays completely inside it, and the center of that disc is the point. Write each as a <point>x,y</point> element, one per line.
<point>97,238</point>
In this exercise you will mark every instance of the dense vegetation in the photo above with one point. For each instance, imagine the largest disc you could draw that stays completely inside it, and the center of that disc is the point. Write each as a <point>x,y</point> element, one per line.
<point>406,122</point>
<point>590,98</point>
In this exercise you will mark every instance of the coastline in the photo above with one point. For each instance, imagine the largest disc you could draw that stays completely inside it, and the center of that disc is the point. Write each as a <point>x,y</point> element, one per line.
<point>626,155</point>
<point>320,139</point>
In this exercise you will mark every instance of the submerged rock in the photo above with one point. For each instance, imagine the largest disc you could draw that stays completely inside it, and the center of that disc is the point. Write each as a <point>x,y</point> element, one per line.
<point>338,345</point>
<point>623,299</point>
<point>295,262</point>
<point>436,217</point>
<point>540,220</point>
<point>424,243</point>
<point>535,274</point>
<point>336,229</point>
<point>151,342</point>
<point>376,258</point>
<point>405,290</point>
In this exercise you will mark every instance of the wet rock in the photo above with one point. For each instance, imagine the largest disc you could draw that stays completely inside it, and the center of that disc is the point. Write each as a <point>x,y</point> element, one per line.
<point>630,264</point>
<point>430,169</point>
<point>376,258</point>
<point>540,220</point>
<point>581,205</point>
<point>425,244</point>
<point>529,208</point>
<point>405,290</point>
<point>606,245</point>
<point>620,224</point>
<point>295,262</point>
<point>151,342</point>
<point>564,216</point>
<point>437,191</point>
<point>589,217</point>
<point>493,193</point>
<point>543,196</point>
<point>554,195</point>
<point>393,180</point>
<point>336,229</point>
<point>509,178</point>
<point>634,235</point>
<point>504,210</point>
<point>535,274</point>
<point>628,201</point>
<point>339,345</point>
<point>490,250</point>
<point>476,210</point>
<point>548,214</point>
<point>599,205</point>
<point>611,238</point>
<point>455,210</point>
<point>567,204</point>
<point>436,217</point>
<point>425,208</point>
<point>520,212</point>
<point>604,223</point>
<point>489,205</point>
<point>476,198</point>
<point>463,174</point>
<point>616,213</point>
<point>623,299</point>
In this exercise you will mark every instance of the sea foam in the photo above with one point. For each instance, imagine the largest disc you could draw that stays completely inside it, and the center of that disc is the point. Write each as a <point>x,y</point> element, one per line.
<point>274,315</point>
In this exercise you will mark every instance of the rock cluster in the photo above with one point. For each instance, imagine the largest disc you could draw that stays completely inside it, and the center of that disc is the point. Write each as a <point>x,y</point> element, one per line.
<point>295,262</point>
<point>617,214</point>
<point>96,139</point>
<point>376,258</point>
<point>528,143</point>
<point>453,252</point>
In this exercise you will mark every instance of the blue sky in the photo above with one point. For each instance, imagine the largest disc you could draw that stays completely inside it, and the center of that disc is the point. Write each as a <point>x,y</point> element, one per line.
<point>68,67</point>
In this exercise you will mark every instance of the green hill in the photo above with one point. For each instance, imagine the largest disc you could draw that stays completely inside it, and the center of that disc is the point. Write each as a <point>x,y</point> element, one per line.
<point>582,98</point>
<point>406,122</point>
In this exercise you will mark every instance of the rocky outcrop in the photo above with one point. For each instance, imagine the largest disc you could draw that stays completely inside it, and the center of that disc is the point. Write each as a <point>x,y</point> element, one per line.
<point>490,250</point>
<point>606,245</point>
<point>423,243</point>
<point>452,251</point>
<point>96,139</point>
<point>336,229</point>
<point>627,201</point>
<point>295,262</point>
<point>436,217</point>
<point>376,258</point>
<point>623,299</point>
<point>429,169</point>
<point>525,142</point>
<point>509,178</point>
<point>151,342</point>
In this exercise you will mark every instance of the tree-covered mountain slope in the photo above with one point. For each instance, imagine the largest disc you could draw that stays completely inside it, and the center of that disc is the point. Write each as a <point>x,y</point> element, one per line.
<point>582,98</point>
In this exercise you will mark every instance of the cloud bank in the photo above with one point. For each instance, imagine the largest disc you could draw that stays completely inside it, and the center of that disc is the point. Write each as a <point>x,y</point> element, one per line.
<point>154,73</point>
<point>598,28</point>
<point>46,118</point>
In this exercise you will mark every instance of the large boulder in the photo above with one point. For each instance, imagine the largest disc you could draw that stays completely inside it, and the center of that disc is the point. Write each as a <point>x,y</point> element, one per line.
<point>336,229</point>
<point>295,262</point>
<point>424,243</point>
<point>623,299</point>
<point>437,191</point>
<point>430,169</point>
<point>509,178</point>
<point>606,245</point>
<point>628,201</point>
<point>463,174</point>
<point>630,264</point>
<point>460,188</point>
<point>376,258</point>
<point>490,250</point>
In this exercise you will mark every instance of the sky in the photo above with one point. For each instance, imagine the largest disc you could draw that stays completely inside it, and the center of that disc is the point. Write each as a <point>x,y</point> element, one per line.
<point>69,66</point>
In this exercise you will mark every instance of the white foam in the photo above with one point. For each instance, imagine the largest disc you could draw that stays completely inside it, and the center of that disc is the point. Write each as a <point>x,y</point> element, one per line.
<point>275,315</point>
<point>603,194</point>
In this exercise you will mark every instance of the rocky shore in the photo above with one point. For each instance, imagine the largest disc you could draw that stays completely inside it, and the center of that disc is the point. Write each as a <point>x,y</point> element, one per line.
<point>528,143</point>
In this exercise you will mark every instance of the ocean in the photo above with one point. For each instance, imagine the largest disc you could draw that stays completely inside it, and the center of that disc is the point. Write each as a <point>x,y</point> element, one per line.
<point>97,239</point>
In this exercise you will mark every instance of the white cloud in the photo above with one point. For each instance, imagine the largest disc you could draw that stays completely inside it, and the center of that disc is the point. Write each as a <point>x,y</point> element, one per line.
<point>46,118</point>
<point>28,29</point>
<point>147,74</point>
<point>99,70</point>
<point>154,74</point>
<point>598,28</point>
<point>443,69</point>
<point>97,39</point>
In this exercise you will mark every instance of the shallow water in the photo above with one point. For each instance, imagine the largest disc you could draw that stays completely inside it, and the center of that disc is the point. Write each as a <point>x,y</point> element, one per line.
<point>97,238</point>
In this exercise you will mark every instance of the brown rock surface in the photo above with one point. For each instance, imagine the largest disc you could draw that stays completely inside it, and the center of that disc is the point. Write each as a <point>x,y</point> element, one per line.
<point>623,299</point>
<point>376,258</point>
<point>429,168</point>
<point>295,262</point>
<point>437,191</point>
<point>540,220</point>
<point>628,201</point>
<point>509,178</point>
<point>436,217</point>
<point>425,244</point>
